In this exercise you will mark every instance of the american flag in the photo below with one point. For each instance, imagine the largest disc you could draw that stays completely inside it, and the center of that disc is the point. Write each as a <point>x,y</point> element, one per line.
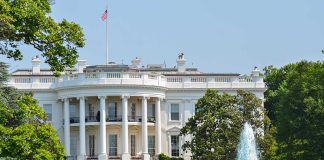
<point>104,15</point>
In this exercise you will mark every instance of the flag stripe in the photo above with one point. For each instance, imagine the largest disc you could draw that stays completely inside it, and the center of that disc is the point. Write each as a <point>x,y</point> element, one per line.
<point>104,15</point>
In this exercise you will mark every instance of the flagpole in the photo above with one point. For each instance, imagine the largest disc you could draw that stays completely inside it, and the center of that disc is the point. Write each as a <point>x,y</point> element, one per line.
<point>107,60</point>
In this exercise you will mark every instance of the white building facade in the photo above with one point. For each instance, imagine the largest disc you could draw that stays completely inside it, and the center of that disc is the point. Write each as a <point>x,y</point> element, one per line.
<point>125,111</point>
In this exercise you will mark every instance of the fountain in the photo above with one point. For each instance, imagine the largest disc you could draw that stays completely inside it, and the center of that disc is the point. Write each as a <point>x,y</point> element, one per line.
<point>247,146</point>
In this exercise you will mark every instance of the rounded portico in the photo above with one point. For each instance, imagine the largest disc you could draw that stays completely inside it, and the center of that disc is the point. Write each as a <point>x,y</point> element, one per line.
<point>112,122</point>
<point>109,111</point>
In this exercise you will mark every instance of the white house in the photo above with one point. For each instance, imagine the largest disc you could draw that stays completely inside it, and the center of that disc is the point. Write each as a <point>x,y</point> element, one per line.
<point>125,111</point>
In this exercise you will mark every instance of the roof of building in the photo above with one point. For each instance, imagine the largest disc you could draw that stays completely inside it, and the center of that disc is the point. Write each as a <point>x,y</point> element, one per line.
<point>125,68</point>
<point>134,67</point>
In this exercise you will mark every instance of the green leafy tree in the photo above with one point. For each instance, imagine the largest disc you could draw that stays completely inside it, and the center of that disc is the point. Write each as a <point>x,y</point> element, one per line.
<point>24,133</point>
<point>27,22</point>
<point>216,126</point>
<point>296,98</point>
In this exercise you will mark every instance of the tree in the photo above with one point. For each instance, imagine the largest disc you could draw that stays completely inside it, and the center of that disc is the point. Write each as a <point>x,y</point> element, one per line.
<point>24,132</point>
<point>296,97</point>
<point>216,126</point>
<point>27,22</point>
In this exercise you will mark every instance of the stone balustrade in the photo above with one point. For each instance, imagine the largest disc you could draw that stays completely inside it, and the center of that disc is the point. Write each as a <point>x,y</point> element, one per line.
<point>135,79</point>
<point>117,118</point>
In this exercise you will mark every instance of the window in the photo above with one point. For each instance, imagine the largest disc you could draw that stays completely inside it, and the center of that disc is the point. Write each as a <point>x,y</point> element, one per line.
<point>175,146</point>
<point>133,144</point>
<point>91,113</point>
<point>151,113</point>
<point>175,112</point>
<point>73,145</point>
<point>151,145</point>
<point>48,111</point>
<point>112,111</point>
<point>73,112</point>
<point>133,112</point>
<point>92,145</point>
<point>113,145</point>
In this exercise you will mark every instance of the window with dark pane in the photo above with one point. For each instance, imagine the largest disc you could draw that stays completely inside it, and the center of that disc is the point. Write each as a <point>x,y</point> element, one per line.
<point>151,145</point>
<point>175,112</point>
<point>113,145</point>
<point>175,146</point>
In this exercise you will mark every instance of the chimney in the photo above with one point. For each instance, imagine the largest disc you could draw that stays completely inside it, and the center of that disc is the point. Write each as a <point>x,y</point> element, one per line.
<point>35,65</point>
<point>255,72</point>
<point>256,77</point>
<point>181,63</point>
<point>81,65</point>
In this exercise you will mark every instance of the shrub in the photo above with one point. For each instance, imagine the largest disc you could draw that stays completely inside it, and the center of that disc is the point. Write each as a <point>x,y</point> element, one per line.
<point>162,156</point>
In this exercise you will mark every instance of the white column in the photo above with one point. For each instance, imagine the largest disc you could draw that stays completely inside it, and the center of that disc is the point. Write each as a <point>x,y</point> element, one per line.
<point>67,126</point>
<point>82,129</point>
<point>145,155</point>
<point>158,125</point>
<point>125,154</point>
<point>102,132</point>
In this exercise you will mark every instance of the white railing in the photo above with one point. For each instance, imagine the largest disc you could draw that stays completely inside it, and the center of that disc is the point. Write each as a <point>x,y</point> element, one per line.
<point>23,80</point>
<point>135,75</point>
<point>113,75</point>
<point>47,80</point>
<point>141,79</point>
<point>174,79</point>
<point>222,82</point>
<point>92,75</point>
<point>112,78</point>
<point>33,82</point>
<point>223,79</point>
<point>198,79</point>
<point>245,79</point>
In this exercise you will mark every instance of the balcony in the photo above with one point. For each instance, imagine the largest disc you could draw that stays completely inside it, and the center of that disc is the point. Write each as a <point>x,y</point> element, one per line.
<point>111,78</point>
<point>172,81</point>
<point>134,118</point>
<point>202,81</point>
<point>117,118</point>
<point>139,119</point>
<point>151,119</point>
<point>92,119</point>
<point>74,119</point>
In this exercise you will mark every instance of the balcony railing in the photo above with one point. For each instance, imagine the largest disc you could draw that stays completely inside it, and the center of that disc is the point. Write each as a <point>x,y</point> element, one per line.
<point>111,78</point>
<point>151,119</point>
<point>131,78</point>
<point>92,157</point>
<point>134,118</point>
<point>92,119</point>
<point>74,119</point>
<point>117,118</point>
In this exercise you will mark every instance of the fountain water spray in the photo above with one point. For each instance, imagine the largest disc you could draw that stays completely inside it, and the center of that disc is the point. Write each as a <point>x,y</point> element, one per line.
<point>247,146</point>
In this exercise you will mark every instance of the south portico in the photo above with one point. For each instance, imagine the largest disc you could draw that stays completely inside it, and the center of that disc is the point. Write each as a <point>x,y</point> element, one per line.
<point>106,120</point>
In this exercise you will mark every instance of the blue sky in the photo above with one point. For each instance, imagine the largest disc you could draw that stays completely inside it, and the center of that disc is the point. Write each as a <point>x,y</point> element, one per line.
<point>216,36</point>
